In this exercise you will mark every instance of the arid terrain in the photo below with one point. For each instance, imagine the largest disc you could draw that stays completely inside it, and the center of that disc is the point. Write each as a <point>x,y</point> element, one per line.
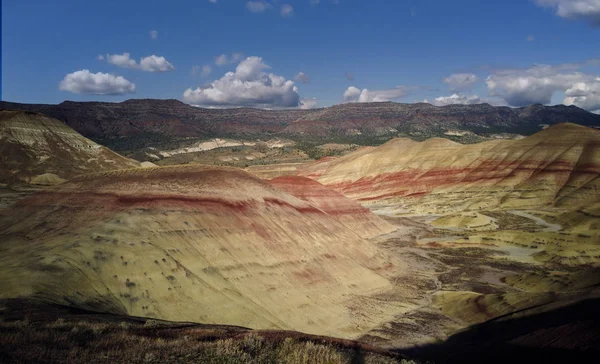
<point>400,247</point>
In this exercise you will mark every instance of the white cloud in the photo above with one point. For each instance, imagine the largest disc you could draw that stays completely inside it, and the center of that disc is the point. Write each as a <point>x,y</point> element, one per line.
<point>353,94</point>
<point>588,10</point>
<point>122,60</point>
<point>224,59</point>
<point>85,82</point>
<point>455,99</point>
<point>302,77</point>
<point>584,95</point>
<point>153,34</point>
<point>461,81</point>
<point>250,86</point>
<point>537,84</point>
<point>149,64</point>
<point>100,57</point>
<point>155,64</point>
<point>287,10</point>
<point>257,6</point>
<point>306,104</point>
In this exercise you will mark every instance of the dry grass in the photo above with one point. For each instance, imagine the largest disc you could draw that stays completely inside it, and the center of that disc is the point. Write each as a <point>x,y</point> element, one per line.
<point>90,341</point>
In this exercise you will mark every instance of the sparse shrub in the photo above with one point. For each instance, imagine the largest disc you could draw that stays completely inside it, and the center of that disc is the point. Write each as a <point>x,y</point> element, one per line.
<point>99,328</point>
<point>152,323</point>
<point>149,357</point>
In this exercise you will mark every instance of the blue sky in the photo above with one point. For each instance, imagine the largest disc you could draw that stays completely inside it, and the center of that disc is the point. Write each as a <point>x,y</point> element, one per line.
<point>367,50</point>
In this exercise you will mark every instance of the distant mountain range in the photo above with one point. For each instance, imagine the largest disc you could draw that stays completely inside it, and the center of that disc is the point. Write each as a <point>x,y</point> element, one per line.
<point>135,124</point>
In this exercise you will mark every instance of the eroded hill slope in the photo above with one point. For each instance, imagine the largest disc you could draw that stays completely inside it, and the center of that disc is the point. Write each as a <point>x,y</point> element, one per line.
<point>36,148</point>
<point>557,167</point>
<point>212,245</point>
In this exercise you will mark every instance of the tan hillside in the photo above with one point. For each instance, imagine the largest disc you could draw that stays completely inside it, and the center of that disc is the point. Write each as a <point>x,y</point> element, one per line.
<point>41,150</point>
<point>558,166</point>
<point>354,216</point>
<point>193,243</point>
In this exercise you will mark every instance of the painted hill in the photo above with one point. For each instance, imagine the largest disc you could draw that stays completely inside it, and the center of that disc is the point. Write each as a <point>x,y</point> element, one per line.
<point>202,244</point>
<point>558,166</point>
<point>356,217</point>
<point>168,124</point>
<point>37,149</point>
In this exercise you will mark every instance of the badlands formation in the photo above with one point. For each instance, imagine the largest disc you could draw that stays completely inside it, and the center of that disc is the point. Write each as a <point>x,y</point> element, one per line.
<point>462,234</point>
<point>202,244</point>
<point>37,149</point>
<point>558,166</point>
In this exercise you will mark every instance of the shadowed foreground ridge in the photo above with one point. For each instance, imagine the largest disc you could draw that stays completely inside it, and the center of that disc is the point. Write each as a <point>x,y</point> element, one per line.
<point>548,334</point>
<point>31,331</point>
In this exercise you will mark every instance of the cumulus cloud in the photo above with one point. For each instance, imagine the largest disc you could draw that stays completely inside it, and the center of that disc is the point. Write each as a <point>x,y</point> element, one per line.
<point>537,84</point>
<point>461,81</point>
<point>584,95</point>
<point>306,104</point>
<point>455,99</point>
<point>302,77</point>
<point>257,6</point>
<point>85,82</point>
<point>587,10</point>
<point>149,64</point>
<point>153,34</point>
<point>353,94</point>
<point>122,60</point>
<point>250,86</point>
<point>287,10</point>
<point>155,64</point>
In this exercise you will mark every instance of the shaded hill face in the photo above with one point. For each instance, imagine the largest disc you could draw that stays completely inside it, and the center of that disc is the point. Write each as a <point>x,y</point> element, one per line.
<point>135,124</point>
<point>557,167</point>
<point>199,244</point>
<point>36,148</point>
